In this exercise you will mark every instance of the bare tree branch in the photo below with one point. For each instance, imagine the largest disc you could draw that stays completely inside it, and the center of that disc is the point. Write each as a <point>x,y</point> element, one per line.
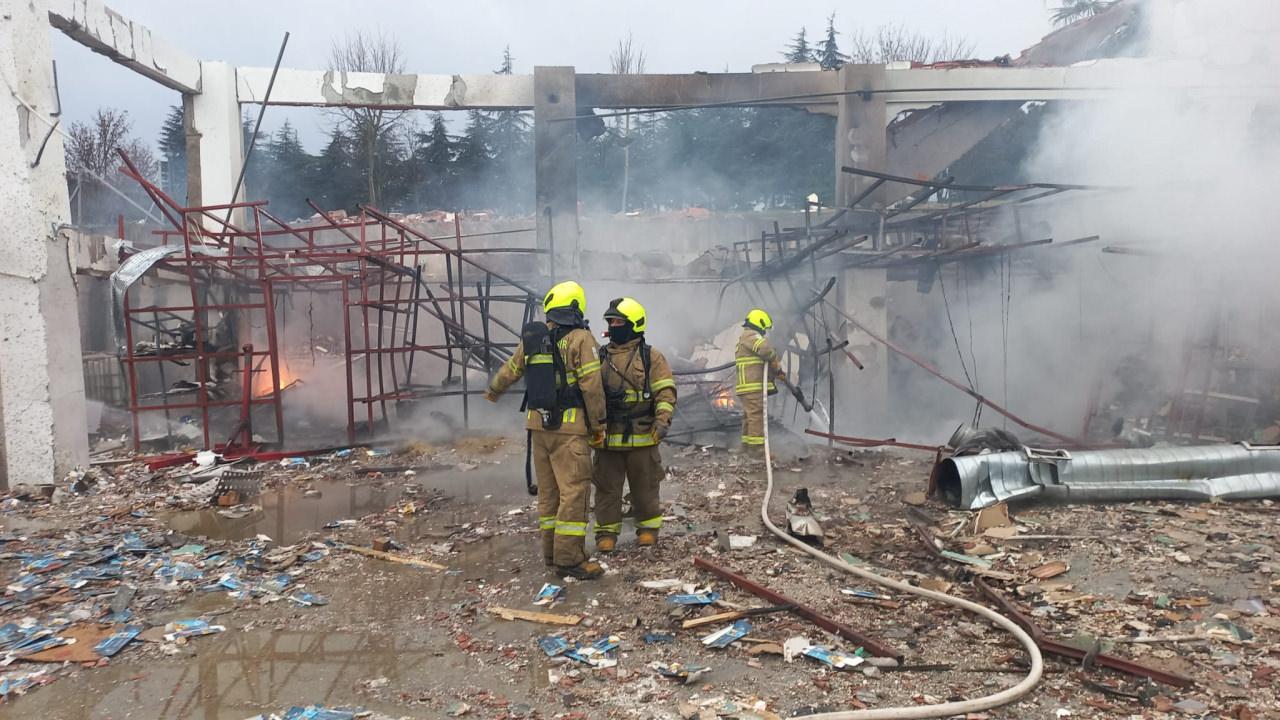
<point>626,59</point>
<point>369,128</point>
<point>894,43</point>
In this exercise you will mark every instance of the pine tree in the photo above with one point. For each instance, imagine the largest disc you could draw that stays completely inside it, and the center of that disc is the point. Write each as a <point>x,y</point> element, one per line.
<point>290,171</point>
<point>173,149</point>
<point>829,55</point>
<point>473,161</point>
<point>798,51</point>
<point>509,175</point>
<point>335,181</point>
<point>432,162</point>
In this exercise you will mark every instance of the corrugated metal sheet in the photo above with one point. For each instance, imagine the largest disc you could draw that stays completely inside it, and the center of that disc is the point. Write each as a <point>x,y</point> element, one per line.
<point>1228,472</point>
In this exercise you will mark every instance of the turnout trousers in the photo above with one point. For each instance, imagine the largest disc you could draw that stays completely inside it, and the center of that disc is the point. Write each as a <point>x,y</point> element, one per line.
<point>562,464</point>
<point>753,419</point>
<point>641,470</point>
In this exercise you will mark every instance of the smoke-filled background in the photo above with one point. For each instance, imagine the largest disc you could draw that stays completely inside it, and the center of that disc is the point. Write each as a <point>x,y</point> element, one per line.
<point>1188,252</point>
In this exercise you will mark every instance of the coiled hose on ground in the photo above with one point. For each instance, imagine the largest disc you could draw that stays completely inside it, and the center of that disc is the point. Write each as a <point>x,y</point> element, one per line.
<point>947,709</point>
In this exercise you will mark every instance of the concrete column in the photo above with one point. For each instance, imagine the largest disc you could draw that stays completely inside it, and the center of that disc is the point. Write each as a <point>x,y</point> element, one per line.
<point>556,166</point>
<point>215,138</point>
<point>42,403</point>
<point>861,122</point>
<point>864,394</point>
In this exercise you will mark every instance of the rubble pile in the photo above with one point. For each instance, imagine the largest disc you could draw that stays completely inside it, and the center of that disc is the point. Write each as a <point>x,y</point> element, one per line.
<point>463,620</point>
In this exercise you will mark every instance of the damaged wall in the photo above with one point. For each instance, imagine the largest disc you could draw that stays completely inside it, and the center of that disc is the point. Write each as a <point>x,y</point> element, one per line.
<point>43,388</point>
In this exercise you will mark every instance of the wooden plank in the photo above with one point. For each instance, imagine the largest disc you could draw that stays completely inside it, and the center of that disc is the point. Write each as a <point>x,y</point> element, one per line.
<point>709,619</point>
<point>538,617</point>
<point>389,557</point>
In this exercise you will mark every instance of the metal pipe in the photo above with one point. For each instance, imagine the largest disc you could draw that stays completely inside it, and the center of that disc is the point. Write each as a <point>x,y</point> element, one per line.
<point>869,442</point>
<point>1204,473</point>
<point>872,645</point>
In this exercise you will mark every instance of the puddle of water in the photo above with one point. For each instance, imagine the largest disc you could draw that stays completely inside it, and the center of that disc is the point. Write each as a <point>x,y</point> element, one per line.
<point>239,674</point>
<point>287,514</point>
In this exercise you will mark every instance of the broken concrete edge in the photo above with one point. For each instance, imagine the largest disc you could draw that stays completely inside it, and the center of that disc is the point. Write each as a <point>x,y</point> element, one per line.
<point>872,645</point>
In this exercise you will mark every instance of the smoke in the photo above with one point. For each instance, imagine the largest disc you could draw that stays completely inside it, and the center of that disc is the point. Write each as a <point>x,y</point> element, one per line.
<point>1188,238</point>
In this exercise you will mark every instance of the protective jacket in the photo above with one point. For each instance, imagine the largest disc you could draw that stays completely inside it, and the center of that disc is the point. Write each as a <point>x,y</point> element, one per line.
<point>578,352</point>
<point>634,408</point>
<point>751,355</point>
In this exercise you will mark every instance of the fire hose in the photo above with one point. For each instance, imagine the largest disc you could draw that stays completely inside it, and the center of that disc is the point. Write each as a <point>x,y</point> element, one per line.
<point>947,709</point>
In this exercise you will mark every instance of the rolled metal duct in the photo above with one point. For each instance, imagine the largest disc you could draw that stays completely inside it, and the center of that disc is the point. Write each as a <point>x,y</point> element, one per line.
<point>1227,472</point>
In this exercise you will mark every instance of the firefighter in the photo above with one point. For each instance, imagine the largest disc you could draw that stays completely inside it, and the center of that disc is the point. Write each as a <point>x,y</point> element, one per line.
<point>751,355</point>
<point>559,362</point>
<point>640,397</point>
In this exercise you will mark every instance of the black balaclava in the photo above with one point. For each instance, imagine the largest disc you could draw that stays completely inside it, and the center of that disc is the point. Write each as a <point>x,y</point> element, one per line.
<point>620,334</point>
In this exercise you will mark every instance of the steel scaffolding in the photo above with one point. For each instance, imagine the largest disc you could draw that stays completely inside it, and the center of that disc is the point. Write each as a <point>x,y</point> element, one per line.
<point>384,275</point>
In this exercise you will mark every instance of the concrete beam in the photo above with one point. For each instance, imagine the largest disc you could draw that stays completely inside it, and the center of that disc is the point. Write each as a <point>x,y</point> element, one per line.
<point>555,139</point>
<point>900,87</point>
<point>109,33</point>
<point>860,131</point>
<point>42,402</point>
<point>423,92</point>
<point>1085,81</point>
<point>651,91</point>
<point>215,140</point>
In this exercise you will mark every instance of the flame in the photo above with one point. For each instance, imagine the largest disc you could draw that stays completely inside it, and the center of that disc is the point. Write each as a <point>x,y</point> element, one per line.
<point>723,400</point>
<point>262,385</point>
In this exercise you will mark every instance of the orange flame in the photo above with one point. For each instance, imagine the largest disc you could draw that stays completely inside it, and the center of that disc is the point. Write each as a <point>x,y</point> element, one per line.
<point>723,400</point>
<point>262,385</point>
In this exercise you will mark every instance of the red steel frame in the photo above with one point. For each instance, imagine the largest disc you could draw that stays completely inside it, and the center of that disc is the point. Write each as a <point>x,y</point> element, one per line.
<point>377,266</point>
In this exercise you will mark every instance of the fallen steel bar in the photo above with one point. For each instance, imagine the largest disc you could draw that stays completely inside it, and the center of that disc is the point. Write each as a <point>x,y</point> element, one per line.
<point>871,645</point>
<point>870,442</point>
<point>1053,647</point>
<point>929,368</point>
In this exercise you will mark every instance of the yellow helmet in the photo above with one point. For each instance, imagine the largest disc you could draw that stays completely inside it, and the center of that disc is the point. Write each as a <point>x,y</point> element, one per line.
<point>568,295</point>
<point>759,320</point>
<point>627,309</point>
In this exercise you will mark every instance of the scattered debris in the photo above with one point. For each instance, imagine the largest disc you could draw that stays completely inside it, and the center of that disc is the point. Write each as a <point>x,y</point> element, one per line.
<point>686,674</point>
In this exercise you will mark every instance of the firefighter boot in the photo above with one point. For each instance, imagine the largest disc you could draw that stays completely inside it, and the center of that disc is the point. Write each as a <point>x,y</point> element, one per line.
<point>585,570</point>
<point>606,543</point>
<point>646,537</point>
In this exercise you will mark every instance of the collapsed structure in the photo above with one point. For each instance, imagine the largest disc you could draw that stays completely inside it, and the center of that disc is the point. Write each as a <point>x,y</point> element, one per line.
<point>893,122</point>
<point>242,340</point>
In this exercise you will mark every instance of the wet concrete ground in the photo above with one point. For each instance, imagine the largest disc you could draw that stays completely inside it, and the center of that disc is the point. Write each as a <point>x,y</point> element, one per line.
<point>427,632</point>
<point>379,624</point>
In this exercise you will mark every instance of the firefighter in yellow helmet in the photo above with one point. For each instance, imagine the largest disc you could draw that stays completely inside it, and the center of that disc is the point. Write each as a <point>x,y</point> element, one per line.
<point>561,368</point>
<point>640,396</point>
<point>751,356</point>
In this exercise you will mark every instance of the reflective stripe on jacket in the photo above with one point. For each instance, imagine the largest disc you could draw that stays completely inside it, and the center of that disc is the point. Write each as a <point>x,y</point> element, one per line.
<point>623,371</point>
<point>752,353</point>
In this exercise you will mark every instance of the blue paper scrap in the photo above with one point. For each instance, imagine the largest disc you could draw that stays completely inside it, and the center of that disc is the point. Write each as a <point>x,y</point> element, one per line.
<point>554,645</point>
<point>694,599</point>
<point>727,636</point>
<point>118,640</point>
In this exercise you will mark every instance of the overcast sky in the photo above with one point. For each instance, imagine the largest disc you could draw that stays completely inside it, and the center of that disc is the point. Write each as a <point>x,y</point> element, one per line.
<point>468,37</point>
